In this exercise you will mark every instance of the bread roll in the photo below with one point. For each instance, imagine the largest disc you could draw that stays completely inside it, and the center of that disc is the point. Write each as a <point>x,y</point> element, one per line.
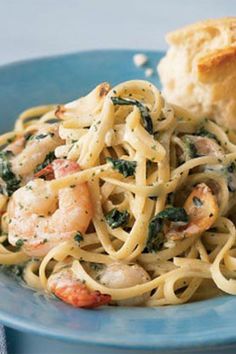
<point>199,70</point>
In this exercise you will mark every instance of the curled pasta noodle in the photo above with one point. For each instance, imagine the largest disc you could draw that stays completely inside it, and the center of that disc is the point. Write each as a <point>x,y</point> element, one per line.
<point>155,188</point>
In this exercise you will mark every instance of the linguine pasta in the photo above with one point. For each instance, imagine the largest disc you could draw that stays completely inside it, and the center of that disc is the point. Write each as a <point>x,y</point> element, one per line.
<point>162,185</point>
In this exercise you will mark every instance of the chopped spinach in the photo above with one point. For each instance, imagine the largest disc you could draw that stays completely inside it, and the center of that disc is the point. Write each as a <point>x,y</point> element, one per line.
<point>174,214</point>
<point>191,148</point>
<point>144,111</point>
<point>78,237</point>
<point>155,235</point>
<point>127,168</point>
<point>12,182</point>
<point>154,244</point>
<point>19,243</point>
<point>203,132</point>
<point>28,136</point>
<point>197,202</point>
<point>48,159</point>
<point>116,218</point>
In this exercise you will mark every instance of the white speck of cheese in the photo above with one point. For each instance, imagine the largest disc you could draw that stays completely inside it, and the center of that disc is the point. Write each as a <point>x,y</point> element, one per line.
<point>148,72</point>
<point>140,59</point>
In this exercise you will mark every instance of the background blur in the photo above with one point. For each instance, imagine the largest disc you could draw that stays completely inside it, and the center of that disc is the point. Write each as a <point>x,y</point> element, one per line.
<point>31,28</point>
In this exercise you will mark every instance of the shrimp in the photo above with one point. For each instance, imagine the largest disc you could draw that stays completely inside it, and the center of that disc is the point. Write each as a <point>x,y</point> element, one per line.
<point>71,290</point>
<point>16,146</point>
<point>205,146</point>
<point>29,154</point>
<point>119,275</point>
<point>202,209</point>
<point>39,218</point>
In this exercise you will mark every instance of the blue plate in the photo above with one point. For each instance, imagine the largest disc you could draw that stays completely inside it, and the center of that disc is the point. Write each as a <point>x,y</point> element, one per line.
<point>197,325</point>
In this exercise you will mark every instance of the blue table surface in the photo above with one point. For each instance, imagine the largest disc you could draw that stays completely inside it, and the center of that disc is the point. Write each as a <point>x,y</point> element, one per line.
<point>30,29</point>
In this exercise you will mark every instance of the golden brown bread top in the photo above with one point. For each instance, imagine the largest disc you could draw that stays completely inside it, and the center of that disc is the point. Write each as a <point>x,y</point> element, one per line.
<point>211,47</point>
<point>217,64</point>
<point>210,28</point>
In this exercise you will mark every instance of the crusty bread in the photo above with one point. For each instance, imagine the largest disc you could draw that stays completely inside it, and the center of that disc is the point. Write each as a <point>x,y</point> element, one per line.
<point>199,70</point>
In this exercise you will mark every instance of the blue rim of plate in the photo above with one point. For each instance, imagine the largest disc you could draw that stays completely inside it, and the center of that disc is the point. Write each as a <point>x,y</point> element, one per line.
<point>203,324</point>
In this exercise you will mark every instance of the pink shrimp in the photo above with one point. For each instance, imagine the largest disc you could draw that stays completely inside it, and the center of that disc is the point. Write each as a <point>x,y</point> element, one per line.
<point>66,287</point>
<point>28,154</point>
<point>41,218</point>
<point>202,209</point>
<point>16,146</point>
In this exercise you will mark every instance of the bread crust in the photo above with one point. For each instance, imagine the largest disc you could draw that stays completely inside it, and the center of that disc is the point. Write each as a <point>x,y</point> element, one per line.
<point>211,25</point>
<point>219,63</point>
<point>199,70</point>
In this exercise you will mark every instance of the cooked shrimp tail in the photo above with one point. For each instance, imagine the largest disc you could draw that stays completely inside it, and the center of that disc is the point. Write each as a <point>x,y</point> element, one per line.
<point>46,172</point>
<point>66,287</point>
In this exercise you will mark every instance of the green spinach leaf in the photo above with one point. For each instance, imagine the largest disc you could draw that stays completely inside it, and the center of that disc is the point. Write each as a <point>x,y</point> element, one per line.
<point>78,237</point>
<point>203,132</point>
<point>48,159</point>
<point>12,182</point>
<point>191,148</point>
<point>144,111</point>
<point>116,218</point>
<point>127,168</point>
<point>156,237</point>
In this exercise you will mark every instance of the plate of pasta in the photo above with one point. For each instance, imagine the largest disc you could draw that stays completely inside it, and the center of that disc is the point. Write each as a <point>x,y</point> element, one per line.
<point>115,200</point>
